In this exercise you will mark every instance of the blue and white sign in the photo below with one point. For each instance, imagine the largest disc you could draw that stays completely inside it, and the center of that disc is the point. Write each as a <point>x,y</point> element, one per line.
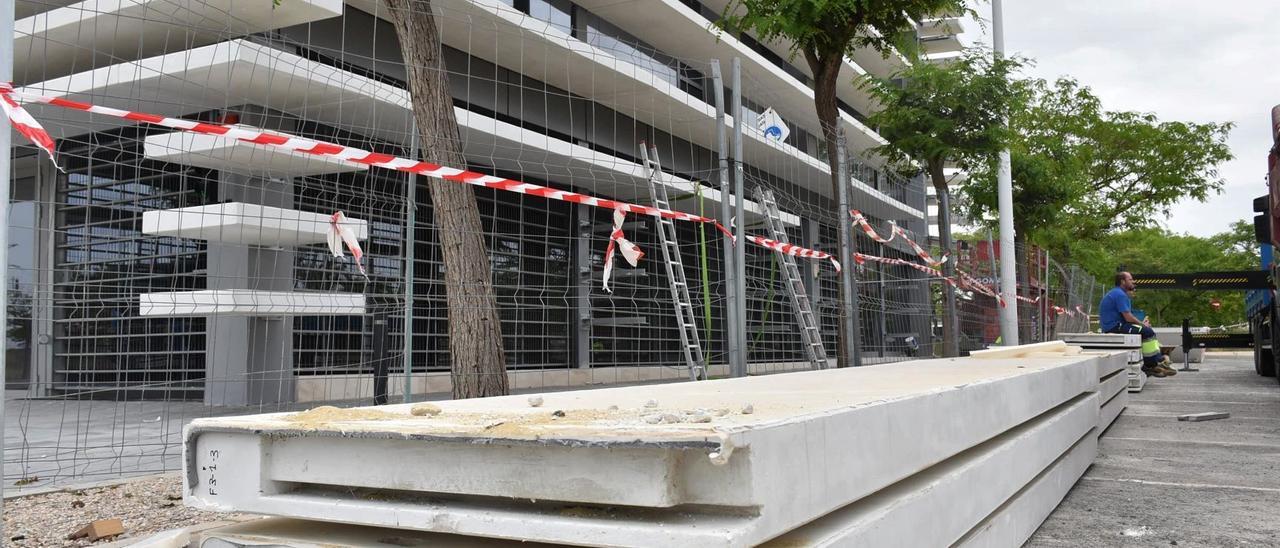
<point>772,126</point>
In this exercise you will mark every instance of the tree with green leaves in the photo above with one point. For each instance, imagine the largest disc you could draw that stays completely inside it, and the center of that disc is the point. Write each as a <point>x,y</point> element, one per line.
<point>1152,250</point>
<point>936,115</point>
<point>824,33</point>
<point>1080,171</point>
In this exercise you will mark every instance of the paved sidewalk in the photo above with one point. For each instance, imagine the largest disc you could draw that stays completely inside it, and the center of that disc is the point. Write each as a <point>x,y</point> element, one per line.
<point>1160,482</point>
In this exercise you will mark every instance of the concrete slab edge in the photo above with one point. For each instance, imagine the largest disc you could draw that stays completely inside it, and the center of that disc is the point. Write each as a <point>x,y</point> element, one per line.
<point>1015,521</point>
<point>984,476</point>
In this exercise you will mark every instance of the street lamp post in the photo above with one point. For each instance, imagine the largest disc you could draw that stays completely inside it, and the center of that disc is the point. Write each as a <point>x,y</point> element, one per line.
<point>1004,193</point>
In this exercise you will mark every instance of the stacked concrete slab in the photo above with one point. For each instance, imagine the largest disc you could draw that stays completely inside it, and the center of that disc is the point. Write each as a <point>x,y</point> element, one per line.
<point>1130,344</point>
<point>982,446</point>
<point>1171,338</point>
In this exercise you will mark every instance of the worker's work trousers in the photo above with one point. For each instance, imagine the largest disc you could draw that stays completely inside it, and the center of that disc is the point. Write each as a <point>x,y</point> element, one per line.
<point>1150,346</point>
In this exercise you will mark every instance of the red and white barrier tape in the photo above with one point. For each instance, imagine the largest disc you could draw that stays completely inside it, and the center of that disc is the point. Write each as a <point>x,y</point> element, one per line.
<point>29,127</point>
<point>860,258</point>
<point>25,124</point>
<point>631,252</point>
<point>1028,300</point>
<point>980,287</point>
<point>794,250</point>
<point>871,232</point>
<point>895,231</point>
<point>339,233</point>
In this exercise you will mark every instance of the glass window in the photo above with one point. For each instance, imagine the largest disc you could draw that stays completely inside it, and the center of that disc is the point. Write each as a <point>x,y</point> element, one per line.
<point>559,13</point>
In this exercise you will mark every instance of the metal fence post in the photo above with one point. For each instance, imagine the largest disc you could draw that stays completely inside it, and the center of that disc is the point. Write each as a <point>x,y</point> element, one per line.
<point>6,75</point>
<point>733,353</point>
<point>740,256</point>
<point>410,242</point>
<point>849,304</point>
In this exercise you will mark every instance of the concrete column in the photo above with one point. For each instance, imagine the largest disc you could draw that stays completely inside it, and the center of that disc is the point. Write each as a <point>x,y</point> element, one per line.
<point>44,331</point>
<point>581,271</point>
<point>249,360</point>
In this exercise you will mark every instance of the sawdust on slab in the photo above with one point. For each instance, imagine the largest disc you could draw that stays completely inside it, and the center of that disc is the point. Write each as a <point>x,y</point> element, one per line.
<point>327,414</point>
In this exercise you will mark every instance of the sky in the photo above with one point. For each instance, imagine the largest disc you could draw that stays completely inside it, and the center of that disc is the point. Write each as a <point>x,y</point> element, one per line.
<point>1189,60</point>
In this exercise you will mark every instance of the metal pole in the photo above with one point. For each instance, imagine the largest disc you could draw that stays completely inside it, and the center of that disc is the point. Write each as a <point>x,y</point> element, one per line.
<point>995,273</point>
<point>410,242</point>
<point>733,353</point>
<point>884,324</point>
<point>1044,299</point>
<point>6,75</point>
<point>991,254</point>
<point>849,303</point>
<point>740,255</point>
<point>1004,180</point>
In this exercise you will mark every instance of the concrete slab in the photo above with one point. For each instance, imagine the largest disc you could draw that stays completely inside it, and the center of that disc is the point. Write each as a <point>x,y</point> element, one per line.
<point>999,352</point>
<point>984,477</point>
<point>842,427</point>
<point>1171,337</point>
<point>98,33</point>
<point>1102,340</point>
<point>220,153</point>
<point>295,533</point>
<point>1111,361</point>
<point>241,223</point>
<point>1137,381</point>
<point>1111,410</point>
<point>249,302</point>
<point>1112,385</point>
<point>1201,417</point>
<point>1157,481</point>
<point>1021,515</point>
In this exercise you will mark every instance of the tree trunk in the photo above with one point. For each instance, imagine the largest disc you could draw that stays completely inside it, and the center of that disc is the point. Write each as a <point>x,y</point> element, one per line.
<point>478,364</point>
<point>950,321</point>
<point>825,75</point>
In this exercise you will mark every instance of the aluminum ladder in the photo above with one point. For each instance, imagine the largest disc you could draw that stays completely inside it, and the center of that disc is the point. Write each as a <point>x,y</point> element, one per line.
<point>810,330</point>
<point>685,317</point>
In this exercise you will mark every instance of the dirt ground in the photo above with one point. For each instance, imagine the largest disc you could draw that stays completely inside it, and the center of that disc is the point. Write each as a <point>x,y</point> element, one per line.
<point>148,505</point>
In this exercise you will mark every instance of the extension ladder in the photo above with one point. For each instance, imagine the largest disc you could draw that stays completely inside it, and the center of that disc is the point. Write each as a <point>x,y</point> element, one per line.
<point>810,332</point>
<point>685,317</point>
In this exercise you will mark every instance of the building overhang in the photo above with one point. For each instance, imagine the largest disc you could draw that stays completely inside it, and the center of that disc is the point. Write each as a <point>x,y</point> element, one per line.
<point>100,33</point>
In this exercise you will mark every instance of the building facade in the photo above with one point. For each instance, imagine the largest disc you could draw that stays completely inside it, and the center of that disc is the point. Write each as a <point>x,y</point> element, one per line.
<point>551,92</point>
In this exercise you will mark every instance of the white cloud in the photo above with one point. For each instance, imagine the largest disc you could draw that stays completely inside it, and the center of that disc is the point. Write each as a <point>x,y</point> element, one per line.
<point>1191,60</point>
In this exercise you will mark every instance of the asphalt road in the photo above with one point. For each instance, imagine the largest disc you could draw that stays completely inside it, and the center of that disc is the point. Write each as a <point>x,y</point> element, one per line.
<point>1161,482</point>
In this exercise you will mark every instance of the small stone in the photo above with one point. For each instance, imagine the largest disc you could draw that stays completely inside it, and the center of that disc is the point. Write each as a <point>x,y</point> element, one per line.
<point>425,410</point>
<point>77,504</point>
<point>662,418</point>
<point>651,404</point>
<point>535,401</point>
<point>612,408</point>
<point>557,413</point>
<point>720,412</point>
<point>748,409</point>
<point>697,417</point>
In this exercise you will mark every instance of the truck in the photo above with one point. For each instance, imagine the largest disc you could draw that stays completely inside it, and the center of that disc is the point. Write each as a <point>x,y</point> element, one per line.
<point>1261,303</point>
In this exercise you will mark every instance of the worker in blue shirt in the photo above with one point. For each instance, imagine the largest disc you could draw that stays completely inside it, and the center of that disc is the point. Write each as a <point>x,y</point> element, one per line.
<point>1115,313</point>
